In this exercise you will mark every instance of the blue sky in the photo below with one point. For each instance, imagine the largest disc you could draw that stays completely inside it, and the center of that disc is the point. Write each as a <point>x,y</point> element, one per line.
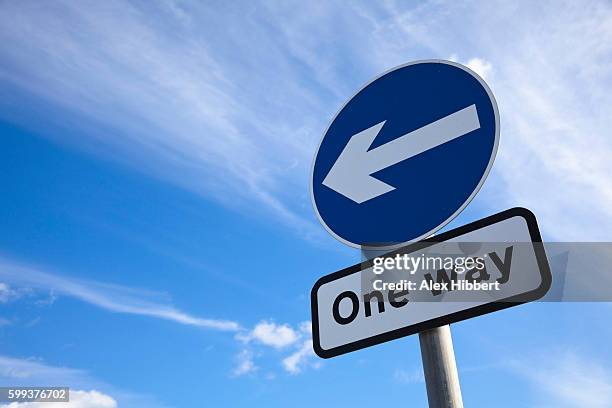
<point>157,241</point>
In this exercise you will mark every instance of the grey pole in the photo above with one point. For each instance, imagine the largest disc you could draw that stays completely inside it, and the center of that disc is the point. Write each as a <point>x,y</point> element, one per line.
<point>440,368</point>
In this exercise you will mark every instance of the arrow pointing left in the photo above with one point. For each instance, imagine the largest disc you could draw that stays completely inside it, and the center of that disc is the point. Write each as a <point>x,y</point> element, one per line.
<point>351,174</point>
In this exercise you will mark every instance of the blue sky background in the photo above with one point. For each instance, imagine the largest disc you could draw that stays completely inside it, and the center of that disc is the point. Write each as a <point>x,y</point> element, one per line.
<point>157,241</point>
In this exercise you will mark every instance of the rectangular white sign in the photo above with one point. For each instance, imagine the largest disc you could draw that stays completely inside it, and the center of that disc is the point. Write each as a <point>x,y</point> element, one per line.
<point>488,265</point>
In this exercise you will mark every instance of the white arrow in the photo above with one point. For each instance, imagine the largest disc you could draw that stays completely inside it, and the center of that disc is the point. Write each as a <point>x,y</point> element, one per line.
<point>351,174</point>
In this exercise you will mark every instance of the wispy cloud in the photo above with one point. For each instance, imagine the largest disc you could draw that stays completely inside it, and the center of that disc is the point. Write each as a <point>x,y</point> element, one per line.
<point>85,391</point>
<point>244,364</point>
<point>220,124</point>
<point>549,83</point>
<point>122,299</point>
<point>236,114</point>
<point>266,334</point>
<point>115,298</point>
<point>404,376</point>
<point>568,380</point>
<point>9,294</point>
<point>22,369</point>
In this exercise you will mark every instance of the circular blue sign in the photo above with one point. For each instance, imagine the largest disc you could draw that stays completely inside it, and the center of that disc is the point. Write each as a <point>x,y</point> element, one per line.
<point>405,155</point>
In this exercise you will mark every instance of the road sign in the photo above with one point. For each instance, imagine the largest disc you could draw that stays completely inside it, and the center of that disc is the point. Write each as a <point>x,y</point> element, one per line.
<point>405,155</point>
<point>351,309</point>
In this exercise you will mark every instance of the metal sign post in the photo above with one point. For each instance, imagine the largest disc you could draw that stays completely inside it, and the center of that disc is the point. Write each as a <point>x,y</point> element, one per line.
<point>438,356</point>
<point>440,368</point>
<point>439,365</point>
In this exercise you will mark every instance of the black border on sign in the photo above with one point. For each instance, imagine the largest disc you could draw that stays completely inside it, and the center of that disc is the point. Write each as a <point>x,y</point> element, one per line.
<point>535,294</point>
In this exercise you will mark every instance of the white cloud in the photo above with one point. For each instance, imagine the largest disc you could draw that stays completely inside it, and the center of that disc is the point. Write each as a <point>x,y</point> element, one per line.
<point>271,334</point>
<point>567,380</point>
<point>304,355</point>
<point>295,363</point>
<point>218,123</point>
<point>34,372</point>
<point>480,66</point>
<point>409,377</point>
<point>78,399</point>
<point>245,364</point>
<point>111,297</point>
<point>550,86</point>
<point>24,369</point>
<point>280,337</point>
<point>8,294</point>
<point>5,293</point>
<point>140,302</point>
<point>241,127</point>
<point>306,327</point>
